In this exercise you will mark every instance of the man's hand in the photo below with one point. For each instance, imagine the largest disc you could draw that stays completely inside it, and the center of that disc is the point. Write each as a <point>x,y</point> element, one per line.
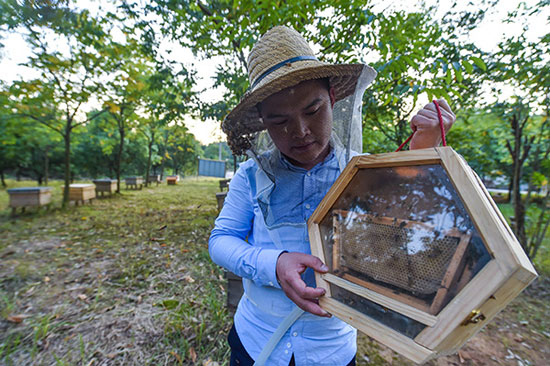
<point>426,124</point>
<point>289,268</point>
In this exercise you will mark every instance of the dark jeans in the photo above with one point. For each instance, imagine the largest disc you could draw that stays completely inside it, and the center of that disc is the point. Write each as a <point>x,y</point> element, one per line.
<point>239,356</point>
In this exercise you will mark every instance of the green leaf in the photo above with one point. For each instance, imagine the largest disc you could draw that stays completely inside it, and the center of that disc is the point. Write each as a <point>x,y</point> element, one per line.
<point>467,66</point>
<point>458,75</point>
<point>168,304</point>
<point>479,63</point>
<point>387,101</point>
<point>448,77</point>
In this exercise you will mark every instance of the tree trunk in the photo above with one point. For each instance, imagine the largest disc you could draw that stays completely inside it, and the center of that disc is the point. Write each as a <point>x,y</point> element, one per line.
<point>519,209</point>
<point>162,161</point>
<point>46,165</point>
<point>149,160</point>
<point>3,179</point>
<point>67,165</point>
<point>119,156</point>
<point>519,153</point>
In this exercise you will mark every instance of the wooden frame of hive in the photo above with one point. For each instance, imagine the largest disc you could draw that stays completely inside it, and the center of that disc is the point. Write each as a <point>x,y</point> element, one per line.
<point>507,273</point>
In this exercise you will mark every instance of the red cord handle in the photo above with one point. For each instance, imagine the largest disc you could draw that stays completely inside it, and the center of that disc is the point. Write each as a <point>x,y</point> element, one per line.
<point>441,127</point>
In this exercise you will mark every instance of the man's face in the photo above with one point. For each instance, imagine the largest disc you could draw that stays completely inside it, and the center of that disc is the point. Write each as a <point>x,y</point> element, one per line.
<point>299,121</point>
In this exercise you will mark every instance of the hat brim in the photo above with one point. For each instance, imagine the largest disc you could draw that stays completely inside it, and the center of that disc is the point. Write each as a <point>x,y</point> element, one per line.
<point>245,119</point>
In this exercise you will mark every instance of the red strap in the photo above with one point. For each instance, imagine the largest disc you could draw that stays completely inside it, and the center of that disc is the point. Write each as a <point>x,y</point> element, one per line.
<point>441,127</point>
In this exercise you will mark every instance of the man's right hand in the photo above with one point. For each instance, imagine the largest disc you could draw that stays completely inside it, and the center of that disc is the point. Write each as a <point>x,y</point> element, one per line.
<point>289,268</point>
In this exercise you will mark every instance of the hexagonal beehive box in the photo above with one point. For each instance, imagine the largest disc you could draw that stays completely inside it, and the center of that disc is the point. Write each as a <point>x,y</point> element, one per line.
<point>419,256</point>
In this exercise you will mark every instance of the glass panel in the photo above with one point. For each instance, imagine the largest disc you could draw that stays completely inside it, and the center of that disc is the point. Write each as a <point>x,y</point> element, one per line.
<point>404,233</point>
<point>392,319</point>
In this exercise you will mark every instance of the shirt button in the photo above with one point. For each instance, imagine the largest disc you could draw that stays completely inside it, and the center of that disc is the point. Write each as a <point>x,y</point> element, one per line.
<point>309,174</point>
<point>308,206</point>
<point>295,334</point>
<point>270,283</point>
<point>288,345</point>
<point>286,352</point>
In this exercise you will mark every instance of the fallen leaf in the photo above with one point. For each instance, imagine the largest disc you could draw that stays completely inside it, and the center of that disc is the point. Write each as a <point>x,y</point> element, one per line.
<point>163,227</point>
<point>16,318</point>
<point>82,297</point>
<point>9,252</point>
<point>463,356</point>
<point>192,354</point>
<point>176,356</point>
<point>46,279</point>
<point>84,218</point>
<point>209,362</point>
<point>189,279</point>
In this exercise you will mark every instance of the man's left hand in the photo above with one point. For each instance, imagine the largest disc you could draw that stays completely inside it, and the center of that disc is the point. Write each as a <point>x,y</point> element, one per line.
<point>426,124</point>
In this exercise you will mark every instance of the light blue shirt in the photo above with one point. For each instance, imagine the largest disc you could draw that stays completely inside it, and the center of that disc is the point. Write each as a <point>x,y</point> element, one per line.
<point>241,243</point>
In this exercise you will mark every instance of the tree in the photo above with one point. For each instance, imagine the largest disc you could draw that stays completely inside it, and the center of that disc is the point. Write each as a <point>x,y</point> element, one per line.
<point>166,99</point>
<point>69,78</point>
<point>412,53</point>
<point>125,92</point>
<point>178,147</point>
<point>524,65</point>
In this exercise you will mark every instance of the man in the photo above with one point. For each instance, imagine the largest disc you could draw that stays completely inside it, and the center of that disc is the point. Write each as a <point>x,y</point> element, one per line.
<point>261,232</point>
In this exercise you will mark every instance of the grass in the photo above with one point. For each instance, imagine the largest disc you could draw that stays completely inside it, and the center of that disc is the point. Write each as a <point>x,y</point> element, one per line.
<point>128,281</point>
<point>542,260</point>
<point>125,281</point>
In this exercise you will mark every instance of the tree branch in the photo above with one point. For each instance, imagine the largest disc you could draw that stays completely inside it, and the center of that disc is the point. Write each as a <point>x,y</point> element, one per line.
<point>510,150</point>
<point>44,122</point>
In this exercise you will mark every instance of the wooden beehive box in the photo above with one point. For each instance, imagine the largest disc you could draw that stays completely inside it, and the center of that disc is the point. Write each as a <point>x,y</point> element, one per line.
<point>134,182</point>
<point>81,192</point>
<point>419,256</point>
<point>29,196</point>
<point>234,290</point>
<point>154,179</point>
<point>105,186</point>
<point>172,179</point>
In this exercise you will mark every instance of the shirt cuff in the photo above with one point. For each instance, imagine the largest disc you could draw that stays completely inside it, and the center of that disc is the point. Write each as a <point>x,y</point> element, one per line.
<point>268,271</point>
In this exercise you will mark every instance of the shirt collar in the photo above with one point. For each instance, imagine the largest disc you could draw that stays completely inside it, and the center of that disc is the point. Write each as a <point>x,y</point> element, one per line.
<point>287,164</point>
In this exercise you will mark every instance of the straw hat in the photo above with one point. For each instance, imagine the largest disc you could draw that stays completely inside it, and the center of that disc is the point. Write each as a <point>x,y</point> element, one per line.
<point>281,59</point>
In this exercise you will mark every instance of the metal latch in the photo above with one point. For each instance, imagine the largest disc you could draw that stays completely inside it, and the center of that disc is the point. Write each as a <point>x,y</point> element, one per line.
<point>473,318</point>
